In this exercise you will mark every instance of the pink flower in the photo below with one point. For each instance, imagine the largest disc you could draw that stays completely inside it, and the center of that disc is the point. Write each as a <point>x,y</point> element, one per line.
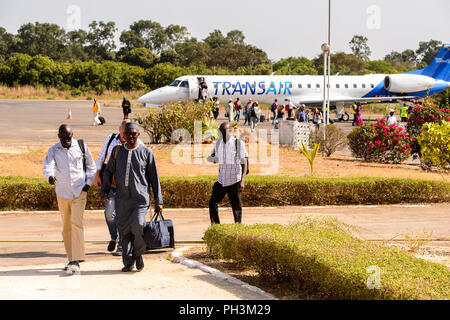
<point>372,145</point>
<point>378,142</point>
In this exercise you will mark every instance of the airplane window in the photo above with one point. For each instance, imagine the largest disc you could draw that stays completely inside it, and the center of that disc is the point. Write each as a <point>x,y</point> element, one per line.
<point>175,83</point>
<point>271,85</point>
<point>290,85</point>
<point>224,86</point>
<point>216,86</point>
<point>184,84</point>
<point>299,86</point>
<point>281,85</point>
<point>346,85</point>
<point>233,85</point>
<point>253,86</point>
<point>337,86</point>
<point>243,86</point>
<point>309,86</point>
<point>354,86</point>
<point>317,85</point>
<point>363,86</point>
<point>372,86</point>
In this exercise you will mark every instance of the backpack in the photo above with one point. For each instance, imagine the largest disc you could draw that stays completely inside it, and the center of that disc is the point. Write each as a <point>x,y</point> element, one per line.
<point>83,151</point>
<point>106,153</point>
<point>273,107</point>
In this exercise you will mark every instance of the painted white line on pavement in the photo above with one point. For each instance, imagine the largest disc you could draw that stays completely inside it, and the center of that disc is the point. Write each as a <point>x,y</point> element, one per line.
<point>177,257</point>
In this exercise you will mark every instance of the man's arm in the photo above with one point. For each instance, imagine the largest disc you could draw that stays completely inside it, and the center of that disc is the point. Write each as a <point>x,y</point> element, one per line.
<point>100,160</point>
<point>243,155</point>
<point>49,166</point>
<point>107,175</point>
<point>90,168</point>
<point>153,179</point>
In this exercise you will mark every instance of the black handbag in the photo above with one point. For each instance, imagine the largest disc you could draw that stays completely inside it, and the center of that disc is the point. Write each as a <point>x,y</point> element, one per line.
<point>159,233</point>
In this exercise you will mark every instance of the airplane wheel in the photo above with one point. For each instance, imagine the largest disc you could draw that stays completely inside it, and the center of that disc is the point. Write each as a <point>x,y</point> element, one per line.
<point>345,117</point>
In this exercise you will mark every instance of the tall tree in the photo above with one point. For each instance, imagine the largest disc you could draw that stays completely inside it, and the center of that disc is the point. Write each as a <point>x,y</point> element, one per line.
<point>42,38</point>
<point>360,48</point>
<point>216,39</point>
<point>236,37</point>
<point>101,40</point>
<point>76,46</point>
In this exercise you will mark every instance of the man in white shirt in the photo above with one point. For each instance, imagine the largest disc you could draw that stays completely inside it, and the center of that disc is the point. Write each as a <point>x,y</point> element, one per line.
<point>111,141</point>
<point>391,119</point>
<point>72,169</point>
<point>232,157</point>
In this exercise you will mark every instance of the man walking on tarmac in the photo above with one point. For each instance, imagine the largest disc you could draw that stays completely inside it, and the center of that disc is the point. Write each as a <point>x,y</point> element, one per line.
<point>133,168</point>
<point>69,165</point>
<point>232,157</point>
<point>111,141</point>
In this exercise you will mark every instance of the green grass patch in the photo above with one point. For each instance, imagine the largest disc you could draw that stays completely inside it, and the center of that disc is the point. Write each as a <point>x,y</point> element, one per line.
<point>194,192</point>
<point>323,258</point>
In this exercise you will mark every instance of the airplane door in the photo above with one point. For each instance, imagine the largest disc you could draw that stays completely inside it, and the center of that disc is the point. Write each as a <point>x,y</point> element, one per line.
<point>193,88</point>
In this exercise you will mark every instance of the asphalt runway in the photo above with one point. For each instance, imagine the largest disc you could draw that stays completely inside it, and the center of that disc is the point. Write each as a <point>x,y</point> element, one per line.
<point>37,121</point>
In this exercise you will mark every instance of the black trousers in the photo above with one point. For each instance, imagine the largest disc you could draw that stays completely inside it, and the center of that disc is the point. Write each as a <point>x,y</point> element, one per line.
<point>234,195</point>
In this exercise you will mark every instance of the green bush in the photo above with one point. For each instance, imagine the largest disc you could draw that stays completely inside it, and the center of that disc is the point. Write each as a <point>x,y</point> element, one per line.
<point>160,124</point>
<point>434,143</point>
<point>323,258</point>
<point>379,142</point>
<point>426,113</point>
<point>194,192</point>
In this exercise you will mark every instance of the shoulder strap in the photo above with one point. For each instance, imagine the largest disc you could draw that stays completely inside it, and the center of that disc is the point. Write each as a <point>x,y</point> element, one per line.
<point>81,145</point>
<point>113,136</point>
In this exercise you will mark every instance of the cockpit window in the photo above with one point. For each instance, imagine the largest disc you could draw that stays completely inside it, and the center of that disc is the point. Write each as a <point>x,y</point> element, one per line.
<point>174,83</point>
<point>184,84</point>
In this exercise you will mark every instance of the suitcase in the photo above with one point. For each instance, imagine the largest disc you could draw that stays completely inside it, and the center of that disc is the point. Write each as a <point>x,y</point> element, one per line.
<point>262,118</point>
<point>102,120</point>
<point>159,233</point>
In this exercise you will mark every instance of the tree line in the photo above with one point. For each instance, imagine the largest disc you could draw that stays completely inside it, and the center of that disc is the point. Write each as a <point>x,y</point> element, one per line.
<point>151,55</point>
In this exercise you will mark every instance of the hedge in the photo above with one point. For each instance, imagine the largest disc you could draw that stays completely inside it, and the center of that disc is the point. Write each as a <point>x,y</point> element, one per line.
<point>194,192</point>
<point>322,258</point>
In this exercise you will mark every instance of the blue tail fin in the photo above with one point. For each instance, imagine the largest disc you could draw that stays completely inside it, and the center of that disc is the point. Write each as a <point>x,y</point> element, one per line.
<point>439,68</point>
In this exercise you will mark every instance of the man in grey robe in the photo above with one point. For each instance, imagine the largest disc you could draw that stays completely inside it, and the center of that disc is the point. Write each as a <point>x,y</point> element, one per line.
<point>134,169</point>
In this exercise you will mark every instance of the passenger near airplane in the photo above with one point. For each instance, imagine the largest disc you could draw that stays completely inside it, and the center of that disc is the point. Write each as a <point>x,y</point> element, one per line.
<point>344,90</point>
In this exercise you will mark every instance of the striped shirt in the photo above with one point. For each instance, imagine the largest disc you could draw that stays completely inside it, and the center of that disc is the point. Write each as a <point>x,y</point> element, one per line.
<point>230,170</point>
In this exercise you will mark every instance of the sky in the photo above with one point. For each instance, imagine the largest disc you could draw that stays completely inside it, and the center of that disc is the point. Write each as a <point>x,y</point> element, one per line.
<point>281,28</point>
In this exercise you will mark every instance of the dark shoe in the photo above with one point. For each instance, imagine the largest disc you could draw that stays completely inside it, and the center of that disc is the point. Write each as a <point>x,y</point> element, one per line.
<point>112,245</point>
<point>118,252</point>
<point>127,268</point>
<point>73,267</point>
<point>139,263</point>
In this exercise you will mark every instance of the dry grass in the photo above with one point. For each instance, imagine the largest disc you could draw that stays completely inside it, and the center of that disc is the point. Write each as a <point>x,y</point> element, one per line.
<point>27,161</point>
<point>42,93</point>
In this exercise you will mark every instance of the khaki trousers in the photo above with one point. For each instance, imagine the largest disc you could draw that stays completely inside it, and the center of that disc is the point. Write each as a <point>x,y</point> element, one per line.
<point>73,232</point>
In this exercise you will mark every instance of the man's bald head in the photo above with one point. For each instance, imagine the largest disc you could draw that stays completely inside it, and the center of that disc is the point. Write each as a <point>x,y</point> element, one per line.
<point>65,135</point>
<point>64,128</point>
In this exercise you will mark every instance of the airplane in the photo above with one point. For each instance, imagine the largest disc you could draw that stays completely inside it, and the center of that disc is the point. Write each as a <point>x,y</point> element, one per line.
<point>307,89</point>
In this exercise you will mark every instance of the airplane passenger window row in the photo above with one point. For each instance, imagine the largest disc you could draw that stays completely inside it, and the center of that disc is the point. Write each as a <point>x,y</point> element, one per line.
<point>289,85</point>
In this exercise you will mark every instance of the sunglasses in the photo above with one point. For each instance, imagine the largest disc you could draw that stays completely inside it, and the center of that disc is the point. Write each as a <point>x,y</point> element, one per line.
<point>133,134</point>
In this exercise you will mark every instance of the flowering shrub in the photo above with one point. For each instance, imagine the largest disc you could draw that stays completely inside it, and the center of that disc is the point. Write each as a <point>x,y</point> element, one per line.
<point>435,143</point>
<point>426,113</point>
<point>380,142</point>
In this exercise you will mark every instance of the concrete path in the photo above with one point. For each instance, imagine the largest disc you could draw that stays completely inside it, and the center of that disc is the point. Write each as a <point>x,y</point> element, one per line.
<point>32,270</point>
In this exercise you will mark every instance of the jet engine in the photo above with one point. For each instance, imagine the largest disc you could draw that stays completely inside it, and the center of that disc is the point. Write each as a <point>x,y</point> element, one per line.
<point>405,83</point>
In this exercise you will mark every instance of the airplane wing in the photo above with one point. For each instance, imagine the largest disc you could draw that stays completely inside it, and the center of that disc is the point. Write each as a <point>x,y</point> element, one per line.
<point>352,99</point>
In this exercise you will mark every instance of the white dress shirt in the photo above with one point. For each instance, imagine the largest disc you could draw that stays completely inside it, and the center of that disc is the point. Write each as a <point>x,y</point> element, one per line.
<point>66,165</point>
